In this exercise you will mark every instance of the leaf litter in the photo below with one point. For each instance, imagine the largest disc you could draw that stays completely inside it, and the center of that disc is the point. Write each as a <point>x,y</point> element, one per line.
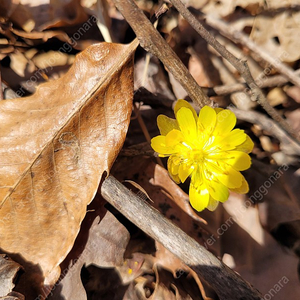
<point>71,248</point>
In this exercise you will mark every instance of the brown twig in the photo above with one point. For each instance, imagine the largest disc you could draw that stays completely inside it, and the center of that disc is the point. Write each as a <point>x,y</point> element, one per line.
<point>226,283</point>
<point>288,145</point>
<point>277,80</point>
<point>103,20</point>
<point>153,42</point>
<point>144,129</point>
<point>1,90</point>
<point>240,65</point>
<point>239,37</point>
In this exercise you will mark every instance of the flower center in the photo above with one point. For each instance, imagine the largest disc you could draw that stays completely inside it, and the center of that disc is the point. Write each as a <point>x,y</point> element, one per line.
<point>198,155</point>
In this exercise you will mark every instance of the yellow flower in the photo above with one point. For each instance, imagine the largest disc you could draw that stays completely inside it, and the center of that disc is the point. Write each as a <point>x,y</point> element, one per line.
<point>207,149</point>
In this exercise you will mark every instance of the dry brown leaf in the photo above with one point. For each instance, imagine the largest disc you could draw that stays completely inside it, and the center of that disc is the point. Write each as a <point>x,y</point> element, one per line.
<point>18,13</point>
<point>41,37</point>
<point>163,285</point>
<point>257,256</point>
<point>277,193</point>
<point>294,93</point>
<point>13,296</point>
<point>278,35</point>
<point>68,13</point>
<point>134,267</point>
<point>8,270</point>
<point>225,7</point>
<point>40,15</point>
<point>106,241</point>
<point>167,260</point>
<point>293,119</point>
<point>55,146</point>
<point>140,289</point>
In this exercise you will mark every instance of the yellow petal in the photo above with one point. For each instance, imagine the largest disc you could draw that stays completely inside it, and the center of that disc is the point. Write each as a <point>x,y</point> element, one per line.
<point>166,124</point>
<point>217,190</point>
<point>240,161</point>
<point>226,120</point>
<point>207,120</point>
<point>199,197</point>
<point>231,140</point>
<point>244,188</point>
<point>182,103</point>
<point>246,146</point>
<point>173,166</point>
<point>187,124</point>
<point>174,137</point>
<point>158,144</point>
<point>197,177</point>
<point>218,109</point>
<point>231,179</point>
<point>212,204</point>
<point>175,178</point>
<point>184,171</point>
<point>225,174</point>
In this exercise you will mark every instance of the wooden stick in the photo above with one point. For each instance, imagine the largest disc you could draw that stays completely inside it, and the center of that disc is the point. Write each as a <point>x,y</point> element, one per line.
<point>226,283</point>
<point>153,42</point>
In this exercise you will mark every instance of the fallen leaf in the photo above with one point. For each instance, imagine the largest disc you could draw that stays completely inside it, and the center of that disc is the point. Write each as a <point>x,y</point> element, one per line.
<point>224,7</point>
<point>294,93</point>
<point>8,270</point>
<point>293,119</point>
<point>55,146</point>
<point>277,34</point>
<point>40,15</point>
<point>13,296</point>
<point>167,260</point>
<point>256,256</point>
<point>106,242</point>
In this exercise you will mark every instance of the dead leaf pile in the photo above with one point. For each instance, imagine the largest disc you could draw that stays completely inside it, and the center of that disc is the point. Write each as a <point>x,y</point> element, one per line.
<point>71,122</point>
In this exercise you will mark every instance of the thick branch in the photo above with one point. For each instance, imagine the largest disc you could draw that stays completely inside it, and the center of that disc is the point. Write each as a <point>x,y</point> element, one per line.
<point>153,42</point>
<point>240,65</point>
<point>226,283</point>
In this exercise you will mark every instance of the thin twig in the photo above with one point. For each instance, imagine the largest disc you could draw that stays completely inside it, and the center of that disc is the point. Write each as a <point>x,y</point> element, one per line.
<point>273,81</point>
<point>226,283</point>
<point>239,37</point>
<point>153,42</point>
<point>288,145</point>
<point>144,129</point>
<point>240,65</point>
<point>103,20</point>
<point>1,90</point>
